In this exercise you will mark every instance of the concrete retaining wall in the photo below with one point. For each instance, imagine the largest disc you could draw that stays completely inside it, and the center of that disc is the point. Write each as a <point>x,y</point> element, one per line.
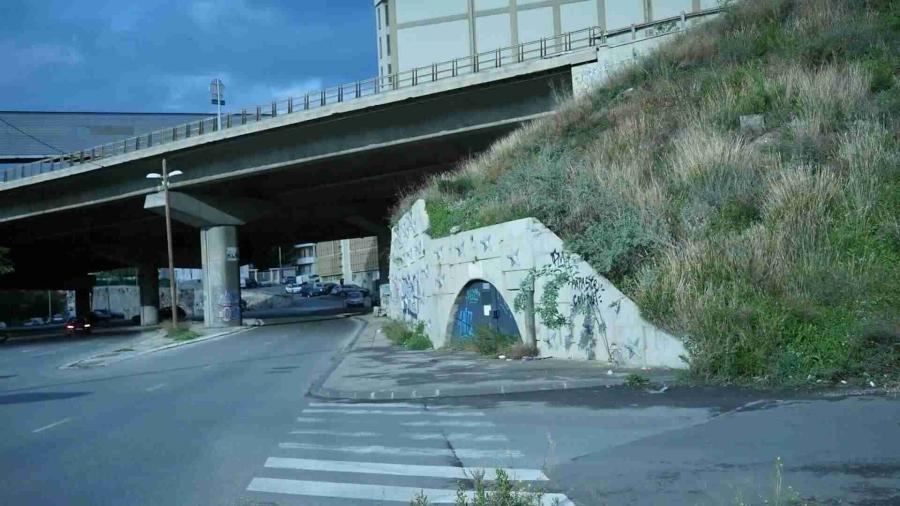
<point>426,275</point>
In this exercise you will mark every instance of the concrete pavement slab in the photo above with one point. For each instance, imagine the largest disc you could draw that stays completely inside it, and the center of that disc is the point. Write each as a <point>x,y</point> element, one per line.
<point>373,369</point>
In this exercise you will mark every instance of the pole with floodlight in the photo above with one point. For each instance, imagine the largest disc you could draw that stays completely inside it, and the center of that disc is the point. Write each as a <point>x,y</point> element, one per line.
<point>217,91</point>
<point>172,283</point>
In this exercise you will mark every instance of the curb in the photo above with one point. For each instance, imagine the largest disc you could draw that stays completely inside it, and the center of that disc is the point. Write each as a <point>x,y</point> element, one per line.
<point>195,340</point>
<point>98,362</point>
<point>316,385</point>
<point>472,391</point>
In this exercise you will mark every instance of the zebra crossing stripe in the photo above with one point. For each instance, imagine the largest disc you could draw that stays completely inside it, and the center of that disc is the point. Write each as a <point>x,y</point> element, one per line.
<point>335,433</point>
<point>447,423</point>
<point>405,451</point>
<point>482,438</point>
<point>391,413</point>
<point>449,472</point>
<point>371,492</point>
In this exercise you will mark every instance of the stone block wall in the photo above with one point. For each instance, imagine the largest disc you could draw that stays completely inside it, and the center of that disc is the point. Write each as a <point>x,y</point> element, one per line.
<point>427,275</point>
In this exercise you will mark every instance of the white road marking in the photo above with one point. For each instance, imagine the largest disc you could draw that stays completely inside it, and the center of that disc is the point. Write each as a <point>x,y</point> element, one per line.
<point>335,433</point>
<point>447,423</point>
<point>156,387</point>
<point>54,424</point>
<point>450,472</point>
<point>304,419</point>
<point>404,451</point>
<point>371,492</point>
<point>393,413</point>
<point>461,436</point>
<point>206,367</point>
<point>364,405</point>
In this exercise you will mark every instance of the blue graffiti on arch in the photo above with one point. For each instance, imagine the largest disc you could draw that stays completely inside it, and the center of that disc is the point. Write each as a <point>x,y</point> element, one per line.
<point>464,322</point>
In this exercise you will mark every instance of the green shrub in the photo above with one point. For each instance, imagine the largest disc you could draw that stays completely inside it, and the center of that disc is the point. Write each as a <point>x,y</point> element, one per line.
<point>636,381</point>
<point>401,333</point>
<point>490,342</point>
<point>182,334</point>
<point>501,492</point>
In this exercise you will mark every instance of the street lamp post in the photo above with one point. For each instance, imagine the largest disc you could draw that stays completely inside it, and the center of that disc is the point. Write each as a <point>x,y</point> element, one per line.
<point>173,292</point>
<point>217,92</point>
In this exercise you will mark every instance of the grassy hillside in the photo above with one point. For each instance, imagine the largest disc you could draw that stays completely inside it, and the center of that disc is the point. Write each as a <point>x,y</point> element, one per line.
<point>774,254</point>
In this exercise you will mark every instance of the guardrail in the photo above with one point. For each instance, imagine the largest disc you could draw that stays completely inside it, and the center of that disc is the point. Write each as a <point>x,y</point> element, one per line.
<point>511,55</point>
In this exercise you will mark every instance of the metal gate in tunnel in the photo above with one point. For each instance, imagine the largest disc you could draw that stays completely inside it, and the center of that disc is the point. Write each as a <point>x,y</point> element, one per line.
<point>479,303</point>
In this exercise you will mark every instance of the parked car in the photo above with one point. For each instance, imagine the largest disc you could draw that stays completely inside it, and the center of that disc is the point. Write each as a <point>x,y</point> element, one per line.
<point>33,322</point>
<point>307,290</point>
<point>354,298</point>
<point>2,325</point>
<point>326,288</point>
<point>78,326</point>
<point>165,313</point>
<point>249,283</point>
<point>58,318</point>
<point>100,315</point>
<point>293,288</point>
<point>342,290</point>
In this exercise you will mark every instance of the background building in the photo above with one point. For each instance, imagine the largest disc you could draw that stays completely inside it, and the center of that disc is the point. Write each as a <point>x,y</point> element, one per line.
<point>353,260</point>
<point>416,33</point>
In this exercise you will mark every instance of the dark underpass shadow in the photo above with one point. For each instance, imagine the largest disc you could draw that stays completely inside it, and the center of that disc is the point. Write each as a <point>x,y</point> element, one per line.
<point>38,397</point>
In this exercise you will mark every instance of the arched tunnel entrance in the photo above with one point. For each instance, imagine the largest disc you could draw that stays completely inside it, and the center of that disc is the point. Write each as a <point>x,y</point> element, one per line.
<point>480,304</point>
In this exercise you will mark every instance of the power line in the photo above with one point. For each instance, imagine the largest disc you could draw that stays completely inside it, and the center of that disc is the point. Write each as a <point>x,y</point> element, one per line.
<point>39,141</point>
<point>26,134</point>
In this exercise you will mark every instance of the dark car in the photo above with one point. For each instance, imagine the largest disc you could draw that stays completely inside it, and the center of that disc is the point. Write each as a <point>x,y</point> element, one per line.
<point>100,315</point>
<point>354,298</point>
<point>343,290</point>
<point>323,289</point>
<point>78,326</point>
<point>165,313</point>
<point>57,318</point>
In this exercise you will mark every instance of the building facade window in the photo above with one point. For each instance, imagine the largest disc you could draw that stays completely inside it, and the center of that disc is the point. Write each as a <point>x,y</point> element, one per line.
<point>387,19</point>
<point>388,39</point>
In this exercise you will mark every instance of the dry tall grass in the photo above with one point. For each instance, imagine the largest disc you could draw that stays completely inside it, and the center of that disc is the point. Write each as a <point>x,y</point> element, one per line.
<point>773,254</point>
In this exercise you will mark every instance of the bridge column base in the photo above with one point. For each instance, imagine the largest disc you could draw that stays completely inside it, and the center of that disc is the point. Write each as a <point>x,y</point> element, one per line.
<point>221,276</point>
<point>148,285</point>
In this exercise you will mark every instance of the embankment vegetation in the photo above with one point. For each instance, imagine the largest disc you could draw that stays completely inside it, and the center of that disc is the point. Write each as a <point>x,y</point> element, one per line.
<point>773,252</point>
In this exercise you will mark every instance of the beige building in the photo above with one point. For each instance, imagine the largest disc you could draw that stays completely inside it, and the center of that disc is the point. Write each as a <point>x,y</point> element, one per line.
<point>417,33</point>
<point>354,260</point>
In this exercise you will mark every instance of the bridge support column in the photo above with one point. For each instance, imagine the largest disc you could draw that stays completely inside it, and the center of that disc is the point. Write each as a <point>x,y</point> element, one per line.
<point>83,291</point>
<point>384,255</point>
<point>221,276</point>
<point>148,285</point>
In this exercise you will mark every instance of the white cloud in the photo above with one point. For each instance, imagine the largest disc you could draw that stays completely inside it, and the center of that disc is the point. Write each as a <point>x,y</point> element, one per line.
<point>20,61</point>
<point>220,14</point>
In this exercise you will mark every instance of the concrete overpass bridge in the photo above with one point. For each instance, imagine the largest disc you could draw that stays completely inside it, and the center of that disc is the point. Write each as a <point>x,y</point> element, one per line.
<point>323,166</point>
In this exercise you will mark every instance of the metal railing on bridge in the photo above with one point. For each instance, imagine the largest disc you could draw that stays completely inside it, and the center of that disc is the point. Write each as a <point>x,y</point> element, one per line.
<point>520,53</point>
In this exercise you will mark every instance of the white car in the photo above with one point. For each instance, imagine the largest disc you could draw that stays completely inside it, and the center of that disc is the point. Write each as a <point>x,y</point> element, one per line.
<point>292,288</point>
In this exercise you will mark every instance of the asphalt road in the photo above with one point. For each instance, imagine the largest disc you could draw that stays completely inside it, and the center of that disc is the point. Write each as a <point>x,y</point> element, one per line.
<point>226,422</point>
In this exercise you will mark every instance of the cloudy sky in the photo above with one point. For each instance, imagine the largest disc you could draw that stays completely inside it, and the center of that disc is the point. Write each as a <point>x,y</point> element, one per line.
<point>160,55</point>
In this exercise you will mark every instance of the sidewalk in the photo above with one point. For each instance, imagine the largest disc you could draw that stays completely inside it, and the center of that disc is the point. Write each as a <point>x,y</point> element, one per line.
<point>373,369</point>
<point>148,342</point>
